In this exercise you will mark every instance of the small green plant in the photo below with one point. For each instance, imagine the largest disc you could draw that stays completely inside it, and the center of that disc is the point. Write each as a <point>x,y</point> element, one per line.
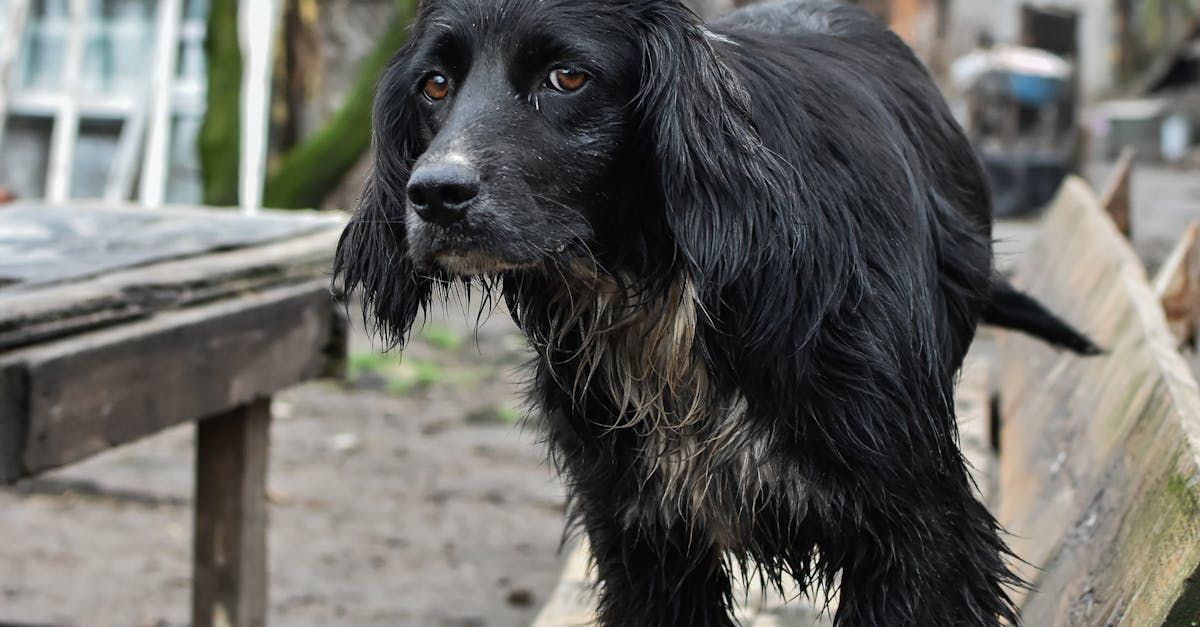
<point>442,337</point>
<point>495,414</point>
<point>396,375</point>
<point>361,364</point>
<point>414,375</point>
<point>510,414</point>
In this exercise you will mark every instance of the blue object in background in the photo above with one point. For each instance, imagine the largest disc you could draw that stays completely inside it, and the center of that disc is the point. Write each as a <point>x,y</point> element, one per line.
<point>1035,90</point>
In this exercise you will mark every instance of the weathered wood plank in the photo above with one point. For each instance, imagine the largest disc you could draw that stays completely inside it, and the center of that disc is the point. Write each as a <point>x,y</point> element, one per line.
<point>1100,458</point>
<point>42,244</point>
<point>573,602</point>
<point>973,406</point>
<point>1118,197</point>
<point>1178,287</point>
<point>32,314</point>
<point>89,393</point>
<point>229,571</point>
<point>14,401</point>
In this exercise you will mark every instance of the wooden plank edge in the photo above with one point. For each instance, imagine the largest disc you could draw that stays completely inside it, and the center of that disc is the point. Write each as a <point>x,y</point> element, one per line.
<point>29,455</point>
<point>1178,387</point>
<point>1178,288</point>
<point>973,406</point>
<point>58,310</point>
<point>14,401</point>
<point>573,602</point>
<point>1117,199</point>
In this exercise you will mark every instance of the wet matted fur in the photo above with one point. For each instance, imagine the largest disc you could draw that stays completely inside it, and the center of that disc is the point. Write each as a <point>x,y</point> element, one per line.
<point>750,257</point>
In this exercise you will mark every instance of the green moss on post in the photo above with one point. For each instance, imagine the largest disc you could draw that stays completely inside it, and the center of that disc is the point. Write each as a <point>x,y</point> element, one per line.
<point>219,143</point>
<point>310,172</point>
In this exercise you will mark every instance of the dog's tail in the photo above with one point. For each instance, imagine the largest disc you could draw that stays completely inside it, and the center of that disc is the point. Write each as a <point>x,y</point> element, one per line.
<point>1013,309</point>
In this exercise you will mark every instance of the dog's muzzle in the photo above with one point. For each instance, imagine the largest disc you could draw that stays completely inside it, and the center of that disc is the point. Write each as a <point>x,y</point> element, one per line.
<point>442,193</point>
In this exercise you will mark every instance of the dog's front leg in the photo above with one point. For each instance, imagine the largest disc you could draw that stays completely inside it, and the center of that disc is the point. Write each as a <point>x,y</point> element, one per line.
<point>652,574</point>
<point>924,563</point>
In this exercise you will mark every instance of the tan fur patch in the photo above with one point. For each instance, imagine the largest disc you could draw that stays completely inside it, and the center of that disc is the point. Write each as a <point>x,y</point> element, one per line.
<point>702,466</point>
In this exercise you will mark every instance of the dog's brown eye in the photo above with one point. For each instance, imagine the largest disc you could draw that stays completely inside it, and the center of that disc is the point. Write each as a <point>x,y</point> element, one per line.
<point>567,79</point>
<point>436,87</point>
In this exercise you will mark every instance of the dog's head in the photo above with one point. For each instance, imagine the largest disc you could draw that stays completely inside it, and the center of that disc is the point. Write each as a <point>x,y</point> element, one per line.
<point>517,135</point>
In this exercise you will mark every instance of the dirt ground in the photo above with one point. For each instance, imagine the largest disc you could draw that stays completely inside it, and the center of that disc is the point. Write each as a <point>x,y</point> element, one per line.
<point>411,498</point>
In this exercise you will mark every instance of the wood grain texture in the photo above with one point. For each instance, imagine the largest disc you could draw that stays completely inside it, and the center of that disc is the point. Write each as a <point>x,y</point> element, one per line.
<point>973,407</point>
<point>88,393</point>
<point>44,244</point>
<point>1178,286</point>
<point>30,314</point>
<point>229,568</point>
<point>14,401</point>
<point>1100,471</point>
<point>573,602</point>
<point>1117,199</point>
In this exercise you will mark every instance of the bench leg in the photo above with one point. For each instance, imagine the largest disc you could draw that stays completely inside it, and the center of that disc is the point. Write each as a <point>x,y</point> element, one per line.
<point>229,574</point>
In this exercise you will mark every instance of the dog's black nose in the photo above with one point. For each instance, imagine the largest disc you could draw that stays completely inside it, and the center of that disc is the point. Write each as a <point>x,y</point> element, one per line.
<point>440,193</point>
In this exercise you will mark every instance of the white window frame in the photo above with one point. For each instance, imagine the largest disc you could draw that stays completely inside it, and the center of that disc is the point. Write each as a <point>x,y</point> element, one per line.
<point>16,14</point>
<point>166,47</point>
<point>257,22</point>
<point>148,122</point>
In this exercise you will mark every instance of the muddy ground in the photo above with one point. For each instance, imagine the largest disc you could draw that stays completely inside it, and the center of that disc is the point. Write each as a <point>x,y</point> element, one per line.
<point>411,497</point>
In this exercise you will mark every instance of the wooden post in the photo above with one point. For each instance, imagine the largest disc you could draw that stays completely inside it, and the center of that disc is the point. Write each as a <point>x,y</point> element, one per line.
<point>1178,286</point>
<point>1118,199</point>
<point>229,584</point>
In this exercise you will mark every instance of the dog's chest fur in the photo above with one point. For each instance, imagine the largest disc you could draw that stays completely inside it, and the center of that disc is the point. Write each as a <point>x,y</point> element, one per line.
<point>702,463</point>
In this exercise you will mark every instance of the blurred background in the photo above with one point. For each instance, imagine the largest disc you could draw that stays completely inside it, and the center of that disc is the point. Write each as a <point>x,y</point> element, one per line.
<point>410,494</point>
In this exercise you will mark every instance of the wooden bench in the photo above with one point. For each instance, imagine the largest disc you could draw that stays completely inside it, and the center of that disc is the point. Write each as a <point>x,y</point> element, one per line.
<point>1100,458</point>
<point>116,323</point>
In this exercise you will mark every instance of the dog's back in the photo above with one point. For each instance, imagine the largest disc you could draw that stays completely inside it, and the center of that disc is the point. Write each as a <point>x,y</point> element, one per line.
<point>817,33</point>
<point>844,63</point>
<point>797,16</point>
<point>858,116</point>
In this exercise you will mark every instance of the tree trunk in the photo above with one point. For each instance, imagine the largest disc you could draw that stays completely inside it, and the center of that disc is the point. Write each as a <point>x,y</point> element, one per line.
<point>310,172</point>
<point>219,143</point>
<point>314,168</point>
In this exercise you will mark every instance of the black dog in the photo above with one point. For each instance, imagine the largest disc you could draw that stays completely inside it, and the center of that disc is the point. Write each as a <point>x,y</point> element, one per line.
<point>750,258</point>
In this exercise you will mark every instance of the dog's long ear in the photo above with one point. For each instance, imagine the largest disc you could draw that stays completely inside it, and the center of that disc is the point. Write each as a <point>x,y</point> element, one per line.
<point>372,253</point>
<point>720,185</point>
